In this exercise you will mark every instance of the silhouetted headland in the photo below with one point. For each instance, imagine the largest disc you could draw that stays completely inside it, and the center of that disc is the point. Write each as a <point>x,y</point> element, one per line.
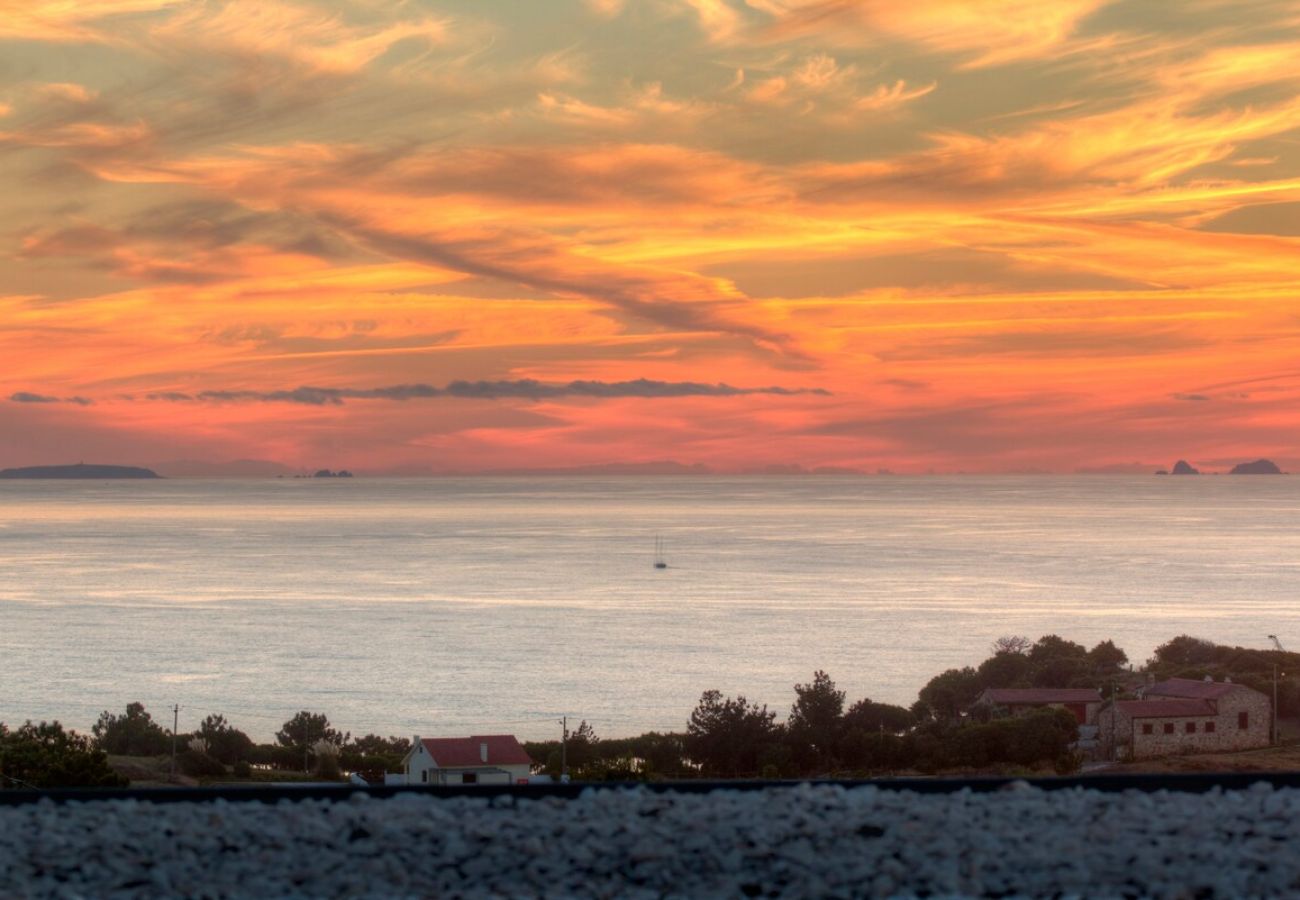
<point>1183,467</point>
<point>1258,467</point>
<point>80,470</point>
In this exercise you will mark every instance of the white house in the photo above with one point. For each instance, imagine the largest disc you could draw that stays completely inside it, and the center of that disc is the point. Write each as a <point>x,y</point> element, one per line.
<point>481,759</point>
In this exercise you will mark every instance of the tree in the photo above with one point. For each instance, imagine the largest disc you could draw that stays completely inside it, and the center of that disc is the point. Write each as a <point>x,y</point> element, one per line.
<point>728,737</point>
<point>132,734</point>
<point>1013,643</point>
<point>375,753</point>
<point>46,756</point>
<point>874,718</point>
<point>1185,650</point>
<point>1005,670</point>
<point>1063,672</point>
<point>947,694</point>
<point>1106,658</point>
<point>375,745</point>
<point>660,754</point>
<point>301,733</point>
<point>226,744</point>
<point>815,720</point>
<point>1050,647</point>
<point>582,748</point>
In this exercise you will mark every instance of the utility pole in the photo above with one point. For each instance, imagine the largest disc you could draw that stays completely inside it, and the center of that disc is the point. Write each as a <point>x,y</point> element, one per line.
<point>564,749</point>
<point>1276,741</point>
<point>1114,738</point>
<point>176,719</point>
<point>306,737</point>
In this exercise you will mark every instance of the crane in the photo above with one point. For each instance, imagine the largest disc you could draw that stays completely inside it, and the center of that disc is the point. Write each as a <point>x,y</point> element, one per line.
<point>1276,642</point>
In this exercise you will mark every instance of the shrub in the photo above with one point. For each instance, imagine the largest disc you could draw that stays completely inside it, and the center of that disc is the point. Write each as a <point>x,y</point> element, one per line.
<point>226,743</point>
<point>46,756</point>
<point>243,769</point>
<point>199,765</point>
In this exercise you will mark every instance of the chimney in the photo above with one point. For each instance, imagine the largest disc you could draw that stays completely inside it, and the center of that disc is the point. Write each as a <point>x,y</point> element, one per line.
<point>482,751</point>
<point>415,742</point>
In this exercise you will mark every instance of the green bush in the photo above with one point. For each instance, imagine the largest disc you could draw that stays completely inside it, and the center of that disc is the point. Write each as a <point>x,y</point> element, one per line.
<point>199,765</point>
<point>46,756</point>
<point>243,769</point>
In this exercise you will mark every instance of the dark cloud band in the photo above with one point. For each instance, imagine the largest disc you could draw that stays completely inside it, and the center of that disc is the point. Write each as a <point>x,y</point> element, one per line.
<point>524,389</point>
<point>27,397</point>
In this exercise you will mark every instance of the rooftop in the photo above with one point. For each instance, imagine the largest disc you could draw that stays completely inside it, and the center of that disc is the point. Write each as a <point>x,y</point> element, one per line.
<point>1162,709</point>
<point>1190,687</point>
<point>467,752</point>
<point>1012,696</point>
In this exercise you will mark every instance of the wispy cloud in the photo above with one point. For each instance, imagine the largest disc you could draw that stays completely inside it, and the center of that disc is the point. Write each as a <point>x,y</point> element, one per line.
<point>984,33</point>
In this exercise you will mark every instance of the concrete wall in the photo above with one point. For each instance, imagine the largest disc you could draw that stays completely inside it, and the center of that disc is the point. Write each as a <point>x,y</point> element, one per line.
<point>484,775</point>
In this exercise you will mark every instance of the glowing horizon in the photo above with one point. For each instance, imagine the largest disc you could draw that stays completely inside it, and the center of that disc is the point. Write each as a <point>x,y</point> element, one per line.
<point>978,236</point>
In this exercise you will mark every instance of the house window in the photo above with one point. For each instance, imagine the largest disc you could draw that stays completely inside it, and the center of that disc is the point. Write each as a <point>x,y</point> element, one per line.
<point>1243,720</point>
<point>1191,728</point>
<point>424,776</point>
<point>1209,727</point>
<point>1148,728</point>
<point>469,778</point>
<point>1169,728</point>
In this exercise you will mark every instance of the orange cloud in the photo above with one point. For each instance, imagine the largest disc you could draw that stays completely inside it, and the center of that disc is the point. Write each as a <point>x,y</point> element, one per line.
<point>60,20</point>
<point>1000,234</point>
<point>317,40</point>
<point>985,33</point>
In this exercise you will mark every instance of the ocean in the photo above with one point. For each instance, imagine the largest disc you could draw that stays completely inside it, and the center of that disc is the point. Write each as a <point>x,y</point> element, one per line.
<point>451,606</point>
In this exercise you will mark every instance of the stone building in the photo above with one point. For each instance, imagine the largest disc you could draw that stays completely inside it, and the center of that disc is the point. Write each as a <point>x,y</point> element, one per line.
<point>1182,715</point>
<point>1083,703</point>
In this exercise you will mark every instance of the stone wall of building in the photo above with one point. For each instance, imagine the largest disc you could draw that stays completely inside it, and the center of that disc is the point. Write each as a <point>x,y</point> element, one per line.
<point>1125,737</point>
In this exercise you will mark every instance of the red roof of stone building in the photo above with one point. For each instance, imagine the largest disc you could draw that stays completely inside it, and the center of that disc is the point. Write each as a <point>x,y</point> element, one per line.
<point>1164,709</point>
<point>467,752</point>
<point>1190,687</point>
<point>1015,696</point>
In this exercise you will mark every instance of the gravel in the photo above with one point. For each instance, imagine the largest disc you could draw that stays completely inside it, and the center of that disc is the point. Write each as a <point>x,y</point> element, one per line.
<point>805,841</point>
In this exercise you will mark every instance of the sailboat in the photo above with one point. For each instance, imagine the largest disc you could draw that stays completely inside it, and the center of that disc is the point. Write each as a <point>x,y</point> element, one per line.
<point>659,553</point>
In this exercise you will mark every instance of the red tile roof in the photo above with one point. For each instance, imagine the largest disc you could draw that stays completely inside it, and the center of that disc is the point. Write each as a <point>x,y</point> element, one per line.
<point>1015,696</point>
<point>466,752</point>
<point>1164,709</point>
<point>1190,687</point>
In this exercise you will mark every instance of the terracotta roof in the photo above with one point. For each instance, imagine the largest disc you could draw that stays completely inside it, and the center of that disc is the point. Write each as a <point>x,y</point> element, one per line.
<point>1013,696</point>
<point>466,752</point>
<point>1163,709</point>
<point>1189,687</point>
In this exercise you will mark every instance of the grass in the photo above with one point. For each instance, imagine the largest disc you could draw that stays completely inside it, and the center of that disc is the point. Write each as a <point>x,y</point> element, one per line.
<point>155,771</point>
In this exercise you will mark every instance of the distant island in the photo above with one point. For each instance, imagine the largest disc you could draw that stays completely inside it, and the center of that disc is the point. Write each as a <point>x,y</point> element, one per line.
<point>326,473</point>
<point>1258,467</point>
<point>80,470</point>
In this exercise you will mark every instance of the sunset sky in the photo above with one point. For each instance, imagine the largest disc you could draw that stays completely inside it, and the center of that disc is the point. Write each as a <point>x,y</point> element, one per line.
<point>458,235</point>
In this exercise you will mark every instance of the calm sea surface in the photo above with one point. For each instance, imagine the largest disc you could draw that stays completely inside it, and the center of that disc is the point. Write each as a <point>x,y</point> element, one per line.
<point>452,606</point>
